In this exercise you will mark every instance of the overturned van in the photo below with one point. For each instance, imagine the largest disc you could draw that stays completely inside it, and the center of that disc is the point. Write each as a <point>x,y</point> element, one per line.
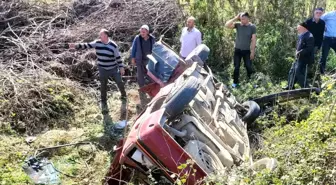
<point>192,119</point>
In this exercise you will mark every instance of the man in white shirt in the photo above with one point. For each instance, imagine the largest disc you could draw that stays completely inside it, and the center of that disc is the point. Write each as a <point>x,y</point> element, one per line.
<point>191,37</point>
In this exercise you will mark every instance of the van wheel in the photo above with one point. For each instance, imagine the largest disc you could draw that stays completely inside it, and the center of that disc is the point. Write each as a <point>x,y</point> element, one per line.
<point>252,113</point>
<point>204,156</point>
<point>181,96</point>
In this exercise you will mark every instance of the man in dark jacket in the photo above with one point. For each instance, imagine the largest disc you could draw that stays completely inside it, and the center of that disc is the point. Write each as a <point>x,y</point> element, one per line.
<point>304,56</point>
<point>316,26</point>
<point>141,47</point>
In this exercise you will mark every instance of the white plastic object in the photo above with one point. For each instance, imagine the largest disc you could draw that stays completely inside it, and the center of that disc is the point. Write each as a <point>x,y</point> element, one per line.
<point>139,157</point>
<point>120,125</point>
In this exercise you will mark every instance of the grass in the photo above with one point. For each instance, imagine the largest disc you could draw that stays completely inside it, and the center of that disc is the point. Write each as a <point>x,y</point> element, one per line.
<point>331,63</point>
<point>87,164</point>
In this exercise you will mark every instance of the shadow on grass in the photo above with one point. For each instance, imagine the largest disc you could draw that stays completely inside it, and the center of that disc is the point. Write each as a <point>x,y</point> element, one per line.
<point>123,110</point>
<point>110,135</point>
<point>144,100</point>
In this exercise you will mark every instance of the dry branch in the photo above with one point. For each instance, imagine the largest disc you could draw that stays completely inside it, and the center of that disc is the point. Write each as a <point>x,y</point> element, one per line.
<point>33,52</point>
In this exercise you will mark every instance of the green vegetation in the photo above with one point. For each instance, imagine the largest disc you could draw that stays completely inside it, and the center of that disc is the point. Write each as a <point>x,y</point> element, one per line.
<point>77,118</point>
<point>301,135</point>
<point>276,23</point>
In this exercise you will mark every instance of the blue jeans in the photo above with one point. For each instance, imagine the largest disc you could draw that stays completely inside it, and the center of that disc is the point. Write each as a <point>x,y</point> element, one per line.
<point>328,42</point>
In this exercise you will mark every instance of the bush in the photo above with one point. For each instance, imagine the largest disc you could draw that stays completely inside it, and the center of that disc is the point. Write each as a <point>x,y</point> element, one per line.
<point>31,104</point>
<point>331,63</point>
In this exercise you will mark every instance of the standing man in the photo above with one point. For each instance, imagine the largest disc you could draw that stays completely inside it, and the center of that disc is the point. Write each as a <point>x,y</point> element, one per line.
<point>329,38</point>
<point>304,53</point>
<point>245,44</point>
<point>141,47</point>
<point>191,37</point>
<point>316,26</point>
<point>109,64</point>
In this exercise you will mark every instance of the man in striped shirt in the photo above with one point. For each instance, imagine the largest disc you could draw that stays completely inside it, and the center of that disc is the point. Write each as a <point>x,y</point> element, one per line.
<point>109,64</point>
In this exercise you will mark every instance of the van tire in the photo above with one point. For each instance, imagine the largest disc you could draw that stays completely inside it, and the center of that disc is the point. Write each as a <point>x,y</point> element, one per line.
<point>181,96</point>
<point>252,113</point>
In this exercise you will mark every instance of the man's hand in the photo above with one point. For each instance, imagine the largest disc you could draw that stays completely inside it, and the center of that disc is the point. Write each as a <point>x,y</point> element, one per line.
<point>72,46</point>
<point>122,71</point>
<point>237,17</point>
<point>252,55</point>
<point>133,61</point>
<point>230,23</point>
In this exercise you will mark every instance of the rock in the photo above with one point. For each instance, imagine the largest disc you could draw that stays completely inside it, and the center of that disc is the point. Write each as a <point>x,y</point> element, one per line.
<point>86,150</point>
<point>30,139</point>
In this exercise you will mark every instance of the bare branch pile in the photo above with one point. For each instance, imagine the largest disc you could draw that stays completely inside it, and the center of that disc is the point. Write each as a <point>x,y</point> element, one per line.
<point>33,102</point>
<point>33,49</point>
